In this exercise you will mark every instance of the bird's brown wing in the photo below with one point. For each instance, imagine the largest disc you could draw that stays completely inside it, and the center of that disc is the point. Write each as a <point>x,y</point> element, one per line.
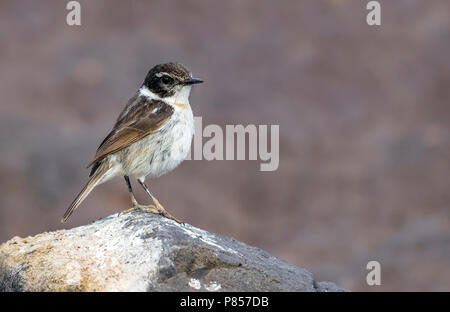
<point>136,122</point>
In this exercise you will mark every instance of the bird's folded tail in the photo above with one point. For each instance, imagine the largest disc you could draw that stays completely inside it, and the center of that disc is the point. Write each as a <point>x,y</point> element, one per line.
<point>93,181</point>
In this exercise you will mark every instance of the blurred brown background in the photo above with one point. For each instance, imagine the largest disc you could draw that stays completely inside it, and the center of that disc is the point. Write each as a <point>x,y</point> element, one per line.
<point>363,112</point>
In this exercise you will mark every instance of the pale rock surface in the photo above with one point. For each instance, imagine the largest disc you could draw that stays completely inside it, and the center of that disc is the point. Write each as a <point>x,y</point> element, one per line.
<point>144,252</point>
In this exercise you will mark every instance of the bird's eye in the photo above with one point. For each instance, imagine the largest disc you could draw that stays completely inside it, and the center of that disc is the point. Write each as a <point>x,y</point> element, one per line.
<point>166,79</point>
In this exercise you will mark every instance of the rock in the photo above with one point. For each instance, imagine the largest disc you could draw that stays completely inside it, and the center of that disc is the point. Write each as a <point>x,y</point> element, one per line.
<point>144,252</point>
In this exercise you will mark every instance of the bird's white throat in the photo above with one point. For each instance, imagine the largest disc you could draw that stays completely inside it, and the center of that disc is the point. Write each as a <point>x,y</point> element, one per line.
<point>180,97</point>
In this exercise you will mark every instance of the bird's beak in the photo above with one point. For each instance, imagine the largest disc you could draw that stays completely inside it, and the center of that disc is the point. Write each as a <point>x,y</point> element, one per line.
<point>192,81</point>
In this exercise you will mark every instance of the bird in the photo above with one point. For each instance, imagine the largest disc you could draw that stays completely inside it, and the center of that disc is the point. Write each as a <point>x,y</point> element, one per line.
<point>151,136</point>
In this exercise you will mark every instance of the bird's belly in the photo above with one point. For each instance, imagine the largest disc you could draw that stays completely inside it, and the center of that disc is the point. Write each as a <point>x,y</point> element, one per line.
<point>160,152</point>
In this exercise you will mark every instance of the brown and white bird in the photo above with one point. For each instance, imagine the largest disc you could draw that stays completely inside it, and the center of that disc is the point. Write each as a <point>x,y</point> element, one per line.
<point>151,136</point>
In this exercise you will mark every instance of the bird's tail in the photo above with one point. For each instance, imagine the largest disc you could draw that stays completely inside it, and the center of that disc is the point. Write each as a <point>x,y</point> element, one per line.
<point>93,181</point>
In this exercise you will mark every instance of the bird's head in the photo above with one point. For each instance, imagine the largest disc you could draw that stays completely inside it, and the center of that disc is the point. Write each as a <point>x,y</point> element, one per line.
<point>169,80</point>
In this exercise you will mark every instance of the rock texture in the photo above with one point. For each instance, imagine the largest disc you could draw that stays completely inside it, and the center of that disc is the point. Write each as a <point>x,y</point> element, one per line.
<point>144,252</point>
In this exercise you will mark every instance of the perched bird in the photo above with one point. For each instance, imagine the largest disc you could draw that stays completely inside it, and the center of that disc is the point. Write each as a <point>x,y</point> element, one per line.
<point>151,137</point>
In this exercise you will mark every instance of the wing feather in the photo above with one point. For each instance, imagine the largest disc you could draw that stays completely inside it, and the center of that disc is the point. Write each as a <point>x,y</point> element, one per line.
<point>140,118</point>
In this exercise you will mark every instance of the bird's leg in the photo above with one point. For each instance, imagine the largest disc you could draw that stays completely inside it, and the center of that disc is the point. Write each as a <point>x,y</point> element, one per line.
<point>134,202</point>
<point>159,208</point>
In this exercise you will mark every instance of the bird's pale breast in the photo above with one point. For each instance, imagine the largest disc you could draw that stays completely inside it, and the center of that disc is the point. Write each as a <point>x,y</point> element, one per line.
<point>161,151</point>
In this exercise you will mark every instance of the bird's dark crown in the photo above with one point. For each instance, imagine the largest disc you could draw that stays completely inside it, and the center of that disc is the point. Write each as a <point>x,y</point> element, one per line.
<point>163,79</point>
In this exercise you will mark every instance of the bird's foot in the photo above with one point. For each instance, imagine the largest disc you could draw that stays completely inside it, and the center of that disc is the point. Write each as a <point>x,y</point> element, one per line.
<point>156,209</point>
<point>135,207</point>
<point>163,211</point>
